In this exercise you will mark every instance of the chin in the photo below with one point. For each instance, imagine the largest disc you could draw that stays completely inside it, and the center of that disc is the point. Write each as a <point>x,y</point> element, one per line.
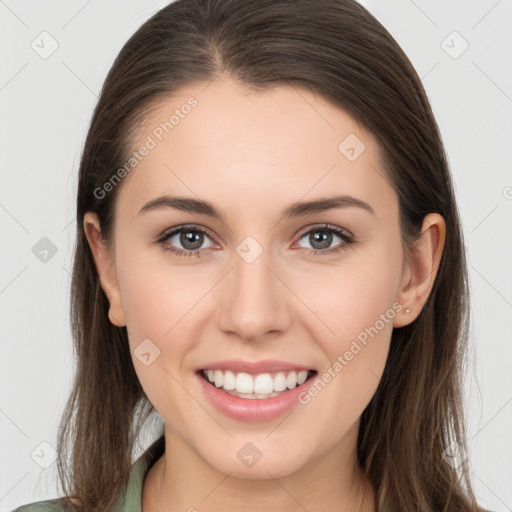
<point>249,462</point>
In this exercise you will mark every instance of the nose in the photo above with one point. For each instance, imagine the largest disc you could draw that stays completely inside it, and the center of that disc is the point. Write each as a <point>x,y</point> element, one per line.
<point>254,302</point>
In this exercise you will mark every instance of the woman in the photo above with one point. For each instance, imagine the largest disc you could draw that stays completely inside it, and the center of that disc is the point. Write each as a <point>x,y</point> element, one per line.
<point>324,376</point>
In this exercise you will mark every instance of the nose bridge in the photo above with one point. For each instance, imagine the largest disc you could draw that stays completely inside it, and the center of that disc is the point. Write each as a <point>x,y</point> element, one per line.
<point>254,299</point>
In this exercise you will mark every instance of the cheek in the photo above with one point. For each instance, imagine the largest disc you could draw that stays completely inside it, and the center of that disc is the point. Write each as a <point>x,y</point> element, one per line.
<point>354,307</point>
<point>156,294</point>
<point>159,303</point>
<point>350,297</point>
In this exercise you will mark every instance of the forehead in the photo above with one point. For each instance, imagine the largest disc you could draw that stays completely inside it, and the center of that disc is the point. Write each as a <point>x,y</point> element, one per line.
<point>224,142</point>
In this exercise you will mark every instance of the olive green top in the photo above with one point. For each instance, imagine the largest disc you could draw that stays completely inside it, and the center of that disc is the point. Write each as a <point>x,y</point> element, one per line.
<point>131,499</point>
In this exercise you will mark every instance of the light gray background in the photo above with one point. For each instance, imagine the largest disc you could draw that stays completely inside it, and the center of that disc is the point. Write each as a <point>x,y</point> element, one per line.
<point>45,108</point>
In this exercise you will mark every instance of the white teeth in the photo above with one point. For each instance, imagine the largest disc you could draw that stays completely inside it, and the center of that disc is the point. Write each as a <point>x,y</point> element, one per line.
<point>262,385</point>
<point>291,380</point>
<point>229,381</point>
<point>244,383</point>
<point>301,377</point>
<point>280,382</point>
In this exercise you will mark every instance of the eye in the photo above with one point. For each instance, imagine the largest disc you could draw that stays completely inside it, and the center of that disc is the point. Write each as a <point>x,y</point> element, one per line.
<point>321,237</point>
<point>190,238</point>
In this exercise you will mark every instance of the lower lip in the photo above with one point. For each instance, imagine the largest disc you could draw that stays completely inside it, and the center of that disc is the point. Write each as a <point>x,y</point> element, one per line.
<point>258,409</point>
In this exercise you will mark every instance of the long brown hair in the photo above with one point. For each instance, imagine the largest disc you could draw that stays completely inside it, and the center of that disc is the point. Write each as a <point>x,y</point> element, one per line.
<point>337,49</point>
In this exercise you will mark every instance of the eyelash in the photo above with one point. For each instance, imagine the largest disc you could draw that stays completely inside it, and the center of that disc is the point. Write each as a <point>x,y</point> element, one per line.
<point>347,238</point>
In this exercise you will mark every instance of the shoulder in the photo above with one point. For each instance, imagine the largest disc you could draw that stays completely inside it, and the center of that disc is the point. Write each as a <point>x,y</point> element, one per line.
<point>54,505</point>
<point>129,500</point>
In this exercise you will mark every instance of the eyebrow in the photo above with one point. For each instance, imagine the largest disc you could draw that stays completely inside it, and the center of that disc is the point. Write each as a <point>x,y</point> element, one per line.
<point>299,209</point>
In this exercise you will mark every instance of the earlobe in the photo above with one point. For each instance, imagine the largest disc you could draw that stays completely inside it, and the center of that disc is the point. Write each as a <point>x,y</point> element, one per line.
<point>105,267</point>
<point>421,269</point>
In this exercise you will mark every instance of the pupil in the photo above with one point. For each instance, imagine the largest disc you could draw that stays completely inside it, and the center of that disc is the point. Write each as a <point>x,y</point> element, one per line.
<point>191,237</point>
<point>324,239</point>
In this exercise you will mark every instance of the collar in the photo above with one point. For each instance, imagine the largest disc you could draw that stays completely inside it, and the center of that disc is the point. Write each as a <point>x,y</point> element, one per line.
<point>132,498</point>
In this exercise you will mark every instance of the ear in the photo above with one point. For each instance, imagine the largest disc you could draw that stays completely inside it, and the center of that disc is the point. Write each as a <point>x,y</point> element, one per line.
<point>106,269</point>
<point>421,269</point>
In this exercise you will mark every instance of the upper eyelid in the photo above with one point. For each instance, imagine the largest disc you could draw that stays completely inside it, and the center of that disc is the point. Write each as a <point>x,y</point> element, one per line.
<point>191,227</point>
<point>327,227</point>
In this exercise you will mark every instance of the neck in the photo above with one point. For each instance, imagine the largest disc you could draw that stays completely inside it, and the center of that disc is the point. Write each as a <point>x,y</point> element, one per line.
<point>182,481</point>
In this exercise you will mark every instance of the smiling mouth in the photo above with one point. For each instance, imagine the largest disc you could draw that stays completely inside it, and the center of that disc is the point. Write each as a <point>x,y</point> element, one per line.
<point>259,386</point>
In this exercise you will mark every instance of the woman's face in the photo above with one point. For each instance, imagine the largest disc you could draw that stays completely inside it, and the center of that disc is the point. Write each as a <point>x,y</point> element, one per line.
<point>262,280</point>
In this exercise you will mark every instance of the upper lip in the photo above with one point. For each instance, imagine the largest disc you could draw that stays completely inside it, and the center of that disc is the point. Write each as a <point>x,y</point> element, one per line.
<point>254,367</point>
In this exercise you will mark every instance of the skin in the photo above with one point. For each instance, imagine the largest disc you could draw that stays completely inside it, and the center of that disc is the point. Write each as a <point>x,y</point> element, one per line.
<point>252,155</point>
